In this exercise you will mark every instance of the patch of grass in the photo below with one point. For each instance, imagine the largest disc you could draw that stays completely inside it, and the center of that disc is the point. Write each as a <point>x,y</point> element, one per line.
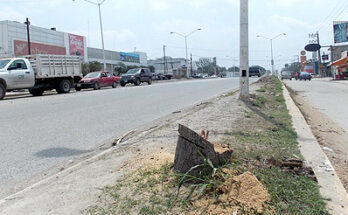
<point>291,194</point>
<point>262,90</point>
<point>259,101</point>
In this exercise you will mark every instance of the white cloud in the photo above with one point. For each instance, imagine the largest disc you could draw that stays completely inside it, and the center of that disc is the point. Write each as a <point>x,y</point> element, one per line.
<point>159,5</point>
<point>8,13</point>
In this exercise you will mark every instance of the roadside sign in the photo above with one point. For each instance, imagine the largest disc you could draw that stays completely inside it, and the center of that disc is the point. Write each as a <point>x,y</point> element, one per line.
<point>312,47</point>
<point>325,57</point>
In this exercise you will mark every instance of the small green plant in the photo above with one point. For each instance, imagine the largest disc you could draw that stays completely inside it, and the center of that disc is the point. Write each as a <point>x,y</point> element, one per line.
<point>259,101</point>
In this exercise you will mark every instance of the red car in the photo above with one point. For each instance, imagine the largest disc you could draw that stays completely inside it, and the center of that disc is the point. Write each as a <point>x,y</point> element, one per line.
<point>96,80</point>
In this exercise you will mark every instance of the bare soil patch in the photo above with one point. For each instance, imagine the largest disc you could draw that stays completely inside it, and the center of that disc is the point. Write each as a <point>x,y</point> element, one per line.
<point>331,137</point>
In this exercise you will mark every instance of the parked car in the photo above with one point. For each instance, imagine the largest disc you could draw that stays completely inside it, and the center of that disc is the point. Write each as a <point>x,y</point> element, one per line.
<point>136,77</point>
<point>286,75</point>
<point>305,76</point>
<point>38,73</point>
<point>254,72</point>
<point>96,80</point>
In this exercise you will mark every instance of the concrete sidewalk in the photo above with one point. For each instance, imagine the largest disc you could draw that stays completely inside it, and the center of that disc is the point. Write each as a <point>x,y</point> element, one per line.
<point>330,185</point>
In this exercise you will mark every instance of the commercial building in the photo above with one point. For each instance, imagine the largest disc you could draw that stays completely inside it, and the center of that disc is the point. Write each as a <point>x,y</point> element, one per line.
<point>14,42</point>
<point>175,66</point>
<point>113,58</point>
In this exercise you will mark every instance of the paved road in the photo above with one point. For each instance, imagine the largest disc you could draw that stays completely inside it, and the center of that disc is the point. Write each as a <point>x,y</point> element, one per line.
<point>39,132</point>
<point>331,98</point>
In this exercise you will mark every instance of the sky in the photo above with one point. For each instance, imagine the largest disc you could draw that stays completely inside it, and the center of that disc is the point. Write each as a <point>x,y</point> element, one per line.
<point>145,25</point>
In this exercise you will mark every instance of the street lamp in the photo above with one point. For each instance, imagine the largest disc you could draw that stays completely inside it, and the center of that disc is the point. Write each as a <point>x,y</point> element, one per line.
<point>271,40</point>
<point>101,26</point>
<point>185,37</point>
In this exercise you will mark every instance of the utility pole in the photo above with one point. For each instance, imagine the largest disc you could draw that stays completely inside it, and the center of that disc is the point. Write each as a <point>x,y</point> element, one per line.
<point>244,50</point>
<point>164,59</point>
<point>319,57</point>
<point>28,35</point>
<point>191,64</point>
<point>332,61</point>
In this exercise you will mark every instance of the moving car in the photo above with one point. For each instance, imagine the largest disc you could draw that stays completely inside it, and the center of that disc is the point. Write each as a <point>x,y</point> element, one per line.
<point>253,71</point>
<point>38,73</point>
<point>286,75</point>
<point>96,80</point>
<point>305,76</point>
<point>137,76</point>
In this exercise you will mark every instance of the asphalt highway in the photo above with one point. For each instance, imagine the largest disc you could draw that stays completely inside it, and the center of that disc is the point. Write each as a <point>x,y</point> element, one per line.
<point>37,133</point>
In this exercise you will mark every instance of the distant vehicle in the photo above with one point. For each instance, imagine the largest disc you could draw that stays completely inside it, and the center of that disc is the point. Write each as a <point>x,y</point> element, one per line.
<point>200,75</point>
<point>205,76</point>
<point>305,76</point>
<point>96,80</point>
<point>137,76</point>
<point>39,73</point>
<point>168,76</point>
<point>253,71</point>
<point>286,75</point>
<point>214,76</point>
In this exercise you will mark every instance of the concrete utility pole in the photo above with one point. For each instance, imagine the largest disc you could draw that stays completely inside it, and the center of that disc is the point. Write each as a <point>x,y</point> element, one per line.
<point>244,50</point>
<point>28,35</point>
<point>319,57</point>
<point>164,60</point>
<point>191,63</point>
<point>185,37</point>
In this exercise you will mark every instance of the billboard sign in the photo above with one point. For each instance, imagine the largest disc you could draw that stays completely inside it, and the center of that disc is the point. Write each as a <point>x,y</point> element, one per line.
<point>341,32</point>
<point>129,57</point>
<point>21,48</point>
<point>76,45</point>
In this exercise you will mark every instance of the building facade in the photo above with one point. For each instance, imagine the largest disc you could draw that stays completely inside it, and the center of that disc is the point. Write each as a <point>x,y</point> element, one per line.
<point>113,58</point>
<point>14,42</point>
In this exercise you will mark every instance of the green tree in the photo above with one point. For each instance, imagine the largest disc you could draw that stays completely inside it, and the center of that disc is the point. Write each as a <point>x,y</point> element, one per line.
<point>207,65</point>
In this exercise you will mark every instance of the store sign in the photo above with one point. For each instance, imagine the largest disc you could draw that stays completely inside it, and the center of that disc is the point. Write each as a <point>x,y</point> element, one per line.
<point>312,47</point>
<point>21,48</point>
<point>340,32</point>
<point>129,57</point>
<point>76,45</point>
<point>325,57</point>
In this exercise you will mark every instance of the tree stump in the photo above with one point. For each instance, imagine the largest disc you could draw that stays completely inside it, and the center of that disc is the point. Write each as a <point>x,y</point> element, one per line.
<point>188,149</point>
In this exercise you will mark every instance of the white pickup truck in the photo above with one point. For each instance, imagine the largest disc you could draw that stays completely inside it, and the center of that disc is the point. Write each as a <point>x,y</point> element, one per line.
<point>39,73</point>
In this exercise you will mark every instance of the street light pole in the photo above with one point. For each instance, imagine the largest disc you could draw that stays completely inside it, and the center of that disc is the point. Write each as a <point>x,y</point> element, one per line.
<point>271,40</point>
<point>102,34</point>
<point>185,37</point>
<point>101,27</point>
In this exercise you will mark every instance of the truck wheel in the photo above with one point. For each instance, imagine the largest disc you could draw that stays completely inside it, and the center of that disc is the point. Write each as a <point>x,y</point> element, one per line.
<point>96,86</point>
<point>123,84</point>
<point>114,84</point>
<point>2,91</point>
<point>77,89</point>
<point>150,81</point>
<point>137,82</point>
<point>36,92</point>
<point>64,86</point>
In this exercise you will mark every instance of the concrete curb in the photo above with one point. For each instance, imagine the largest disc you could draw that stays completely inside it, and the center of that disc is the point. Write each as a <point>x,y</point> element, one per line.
<point>330,185</point>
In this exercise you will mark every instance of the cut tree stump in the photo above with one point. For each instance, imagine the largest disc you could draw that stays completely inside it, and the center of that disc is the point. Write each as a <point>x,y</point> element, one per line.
<point>187,152</point>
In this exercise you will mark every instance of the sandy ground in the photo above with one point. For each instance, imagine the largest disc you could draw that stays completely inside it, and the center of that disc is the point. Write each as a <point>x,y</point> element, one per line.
<point>78,186</point>
<point>332,138</point>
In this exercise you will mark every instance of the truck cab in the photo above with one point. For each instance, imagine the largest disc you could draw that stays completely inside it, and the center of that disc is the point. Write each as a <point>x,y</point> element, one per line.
<point>17,73</point>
